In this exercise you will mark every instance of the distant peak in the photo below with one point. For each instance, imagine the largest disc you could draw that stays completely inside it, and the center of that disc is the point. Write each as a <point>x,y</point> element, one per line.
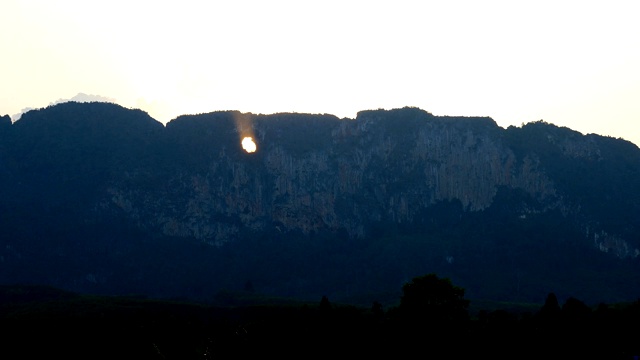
<point>80,97</point>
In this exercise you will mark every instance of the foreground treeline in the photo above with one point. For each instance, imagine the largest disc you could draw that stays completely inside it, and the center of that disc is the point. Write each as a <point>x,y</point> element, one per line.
<point>431,320</point>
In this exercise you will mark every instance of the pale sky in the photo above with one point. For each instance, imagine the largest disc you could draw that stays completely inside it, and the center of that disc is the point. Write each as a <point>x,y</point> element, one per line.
<point>570,63</point>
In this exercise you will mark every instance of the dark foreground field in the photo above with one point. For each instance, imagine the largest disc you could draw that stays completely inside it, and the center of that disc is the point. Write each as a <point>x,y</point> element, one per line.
<point>42,322</point>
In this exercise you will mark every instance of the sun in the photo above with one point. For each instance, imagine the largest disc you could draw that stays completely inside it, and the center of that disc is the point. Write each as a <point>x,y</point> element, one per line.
<point>248,145</point>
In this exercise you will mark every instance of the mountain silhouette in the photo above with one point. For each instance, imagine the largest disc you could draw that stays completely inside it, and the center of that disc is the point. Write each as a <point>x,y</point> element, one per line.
<point>102,199</point>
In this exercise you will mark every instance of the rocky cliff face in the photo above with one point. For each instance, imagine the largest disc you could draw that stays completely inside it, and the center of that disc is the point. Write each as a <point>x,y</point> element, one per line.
<point>317,174</point>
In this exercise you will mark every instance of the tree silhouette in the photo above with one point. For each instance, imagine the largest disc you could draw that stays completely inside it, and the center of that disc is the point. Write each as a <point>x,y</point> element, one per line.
<point>376,310</point>
<point>325,305</point>
<point>550,311</point>
<point>550,331</point>
<point>575,311</point>
<point>434,299</point>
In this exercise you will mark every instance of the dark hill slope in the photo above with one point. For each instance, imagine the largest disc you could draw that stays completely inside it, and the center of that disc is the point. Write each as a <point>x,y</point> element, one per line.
<point>99,198</point>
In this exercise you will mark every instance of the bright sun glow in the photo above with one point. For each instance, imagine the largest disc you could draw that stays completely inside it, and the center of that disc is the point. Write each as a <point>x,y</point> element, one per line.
<point>248,145</point>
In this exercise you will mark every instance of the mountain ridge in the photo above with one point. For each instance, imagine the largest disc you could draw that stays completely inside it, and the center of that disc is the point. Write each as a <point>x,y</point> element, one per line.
<point>348,207</point>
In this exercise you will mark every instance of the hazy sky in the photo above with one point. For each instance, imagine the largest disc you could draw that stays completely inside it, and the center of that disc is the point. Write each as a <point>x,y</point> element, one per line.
<point>570,63</point>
